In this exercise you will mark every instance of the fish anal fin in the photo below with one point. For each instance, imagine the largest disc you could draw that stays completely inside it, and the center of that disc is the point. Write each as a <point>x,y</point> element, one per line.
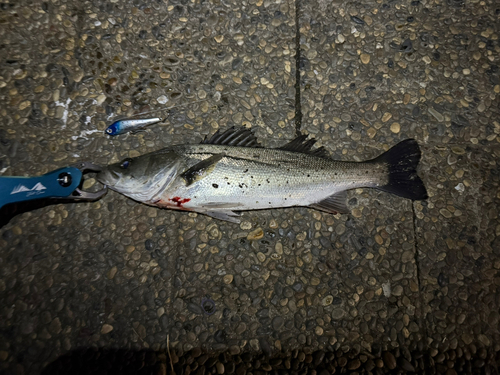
<point>226,215</point>
<point>335,203</point>
<point>201,169</point>
<point>304,145</point>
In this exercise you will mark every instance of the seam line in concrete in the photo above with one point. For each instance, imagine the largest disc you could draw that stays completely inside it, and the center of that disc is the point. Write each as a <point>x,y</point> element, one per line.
<point>421,319</point>
<point>298,106</point>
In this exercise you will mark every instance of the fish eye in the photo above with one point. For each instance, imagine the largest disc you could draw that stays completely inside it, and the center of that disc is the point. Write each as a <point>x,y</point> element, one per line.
<point>126,163</point>
<point>109,130</point>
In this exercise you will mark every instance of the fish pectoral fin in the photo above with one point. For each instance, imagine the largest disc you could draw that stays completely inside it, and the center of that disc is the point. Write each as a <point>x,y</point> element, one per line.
<point>201,169</point>
<point>335,203</point>
<point>226,215</point>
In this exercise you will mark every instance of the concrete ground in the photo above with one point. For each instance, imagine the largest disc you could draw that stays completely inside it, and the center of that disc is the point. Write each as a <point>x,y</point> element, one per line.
<point>116,286</point>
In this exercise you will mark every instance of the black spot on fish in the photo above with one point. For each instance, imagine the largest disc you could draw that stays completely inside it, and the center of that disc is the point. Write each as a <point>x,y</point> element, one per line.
<point>215,186</point>
<point>245,171</point>
<point>268,181</point>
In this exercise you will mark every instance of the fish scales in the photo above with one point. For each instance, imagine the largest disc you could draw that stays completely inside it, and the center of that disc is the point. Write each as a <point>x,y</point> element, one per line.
<point>231,172</point>
<point>270,178</point>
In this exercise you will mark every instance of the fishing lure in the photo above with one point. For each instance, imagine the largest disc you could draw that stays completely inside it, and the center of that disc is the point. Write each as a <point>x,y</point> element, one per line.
<point>135,125</point>
<point>130,125</point>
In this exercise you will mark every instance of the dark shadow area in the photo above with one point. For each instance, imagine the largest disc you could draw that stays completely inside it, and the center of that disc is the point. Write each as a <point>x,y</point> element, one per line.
<point>196,361</point>
<point>8,211</point>
<point>107,361</point>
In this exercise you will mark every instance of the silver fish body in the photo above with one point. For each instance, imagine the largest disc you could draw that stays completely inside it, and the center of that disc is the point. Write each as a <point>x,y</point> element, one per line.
<point>130,125</point>
<point>229,173</point>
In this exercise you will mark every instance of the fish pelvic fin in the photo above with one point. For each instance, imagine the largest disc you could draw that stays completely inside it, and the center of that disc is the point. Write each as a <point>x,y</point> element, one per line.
<point>201,169</point>
<point>226,215</point>
<point>335,203</point>
<point>402,161</point>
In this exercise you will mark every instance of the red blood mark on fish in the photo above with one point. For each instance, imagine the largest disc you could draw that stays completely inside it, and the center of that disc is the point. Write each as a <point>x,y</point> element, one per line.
<point>179,201</point>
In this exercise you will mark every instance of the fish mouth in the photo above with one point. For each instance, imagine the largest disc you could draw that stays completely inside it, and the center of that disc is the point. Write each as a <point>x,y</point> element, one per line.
<point>108,177</point>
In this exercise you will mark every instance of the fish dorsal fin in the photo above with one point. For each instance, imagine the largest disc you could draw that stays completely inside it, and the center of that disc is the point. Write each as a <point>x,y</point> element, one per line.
<point>238,137</point>
<point>333,204</point>
<point>300,144</point>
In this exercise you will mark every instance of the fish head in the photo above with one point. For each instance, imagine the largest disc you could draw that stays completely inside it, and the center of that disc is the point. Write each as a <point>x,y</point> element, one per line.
<point>143,177</point>
<point>113,129</point>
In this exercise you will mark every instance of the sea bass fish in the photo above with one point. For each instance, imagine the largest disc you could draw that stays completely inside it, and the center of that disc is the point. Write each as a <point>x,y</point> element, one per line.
<point>231,172</point>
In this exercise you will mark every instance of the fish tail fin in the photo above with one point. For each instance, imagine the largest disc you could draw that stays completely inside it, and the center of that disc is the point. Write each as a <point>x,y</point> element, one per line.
<point>402,161</point>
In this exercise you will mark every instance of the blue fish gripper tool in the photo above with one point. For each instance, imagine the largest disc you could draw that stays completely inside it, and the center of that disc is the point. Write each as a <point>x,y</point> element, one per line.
<point>62,184</point>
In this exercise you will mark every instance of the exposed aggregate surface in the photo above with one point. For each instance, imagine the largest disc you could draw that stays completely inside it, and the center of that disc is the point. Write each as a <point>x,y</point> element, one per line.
<point>395,286</point>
